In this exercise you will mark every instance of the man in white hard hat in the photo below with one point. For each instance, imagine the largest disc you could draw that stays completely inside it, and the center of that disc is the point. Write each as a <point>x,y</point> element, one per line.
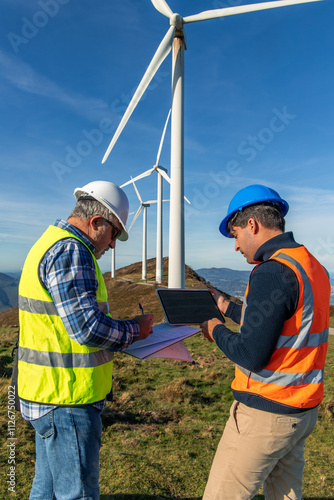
<point>67,340</point>
<point>279,354</point>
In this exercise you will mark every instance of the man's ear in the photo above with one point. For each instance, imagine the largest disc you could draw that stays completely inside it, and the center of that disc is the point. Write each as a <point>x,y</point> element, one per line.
<point>95,222</point>
<point>253,225</point>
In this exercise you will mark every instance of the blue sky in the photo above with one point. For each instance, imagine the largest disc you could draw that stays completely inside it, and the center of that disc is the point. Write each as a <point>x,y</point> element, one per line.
<point>259,105</point>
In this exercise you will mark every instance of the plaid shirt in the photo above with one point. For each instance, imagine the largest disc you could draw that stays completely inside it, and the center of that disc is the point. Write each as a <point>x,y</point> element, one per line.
<point>68,272</point>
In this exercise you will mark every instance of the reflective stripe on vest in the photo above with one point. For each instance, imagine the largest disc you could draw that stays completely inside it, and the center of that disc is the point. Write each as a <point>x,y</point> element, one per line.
<point>308,305</point>
<point>64,360</point>
<point>52,367</point>
<point>36,306</point>
<point>285,379</point>
<point>294,374</point>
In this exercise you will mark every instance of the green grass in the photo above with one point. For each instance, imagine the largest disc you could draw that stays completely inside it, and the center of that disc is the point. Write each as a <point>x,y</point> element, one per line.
<point>161,431</point>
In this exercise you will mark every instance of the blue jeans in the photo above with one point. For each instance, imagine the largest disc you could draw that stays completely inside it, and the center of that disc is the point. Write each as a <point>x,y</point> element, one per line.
<point>68,441</point>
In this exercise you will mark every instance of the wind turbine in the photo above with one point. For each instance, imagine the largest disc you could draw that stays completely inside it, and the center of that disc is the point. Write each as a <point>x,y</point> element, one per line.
<point>161,173</point>
<point>113,259</point>
<point>174,38</point>
<point>143,206</point>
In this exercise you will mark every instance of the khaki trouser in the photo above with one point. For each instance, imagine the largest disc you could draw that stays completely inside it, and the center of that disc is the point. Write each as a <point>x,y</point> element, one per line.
<point>259,447</point>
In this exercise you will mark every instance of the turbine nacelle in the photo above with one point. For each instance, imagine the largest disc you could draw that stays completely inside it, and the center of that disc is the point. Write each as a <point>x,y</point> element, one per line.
<point>177,21</point>
<point>159,167</point>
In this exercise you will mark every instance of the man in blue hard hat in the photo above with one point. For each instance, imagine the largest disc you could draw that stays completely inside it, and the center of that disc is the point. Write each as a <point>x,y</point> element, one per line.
<point>279,353</point>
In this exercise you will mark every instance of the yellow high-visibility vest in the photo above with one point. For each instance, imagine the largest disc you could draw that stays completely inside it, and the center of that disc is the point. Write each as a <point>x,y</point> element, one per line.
<point>53,368</point>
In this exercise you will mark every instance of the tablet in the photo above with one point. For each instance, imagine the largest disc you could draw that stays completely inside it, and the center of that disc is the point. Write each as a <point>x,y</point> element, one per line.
<point>188,306</point>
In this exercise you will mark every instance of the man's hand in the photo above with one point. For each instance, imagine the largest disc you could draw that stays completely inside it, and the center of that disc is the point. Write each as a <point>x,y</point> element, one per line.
<point>145,321</point>
<point>208,326</point>
<point>222,303</point>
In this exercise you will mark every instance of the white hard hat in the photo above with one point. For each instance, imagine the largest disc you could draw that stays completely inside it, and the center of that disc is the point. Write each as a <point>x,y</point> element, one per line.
<point>112,197</point>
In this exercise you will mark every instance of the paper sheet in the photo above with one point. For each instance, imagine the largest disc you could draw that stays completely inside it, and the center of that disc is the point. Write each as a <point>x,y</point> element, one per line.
<point>164,340</point>
<point>176,351</point>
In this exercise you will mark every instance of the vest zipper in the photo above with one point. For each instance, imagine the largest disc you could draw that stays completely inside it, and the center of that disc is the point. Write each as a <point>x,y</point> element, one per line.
<point>249,376</point>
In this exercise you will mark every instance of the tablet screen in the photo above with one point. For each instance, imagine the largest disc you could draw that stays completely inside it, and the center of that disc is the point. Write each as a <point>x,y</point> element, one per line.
<point>188,306</point>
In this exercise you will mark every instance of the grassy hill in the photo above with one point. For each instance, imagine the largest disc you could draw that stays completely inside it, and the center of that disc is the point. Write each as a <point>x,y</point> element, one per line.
<point>161,431</point>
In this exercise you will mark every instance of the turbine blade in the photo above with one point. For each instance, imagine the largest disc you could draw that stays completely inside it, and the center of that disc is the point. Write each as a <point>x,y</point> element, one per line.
<point>163,7</point>
<point>162,138</point>
<point>241,9</point>
<point>164,174</point>
<point>167,178</point>
<point>140,176</point>
<point>139,197</point>
<point>158,58</point>
<point>135,217</point>
<point>154,201</point>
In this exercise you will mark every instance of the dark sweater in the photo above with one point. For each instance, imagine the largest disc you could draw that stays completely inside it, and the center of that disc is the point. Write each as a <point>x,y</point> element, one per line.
<point>272,299</point>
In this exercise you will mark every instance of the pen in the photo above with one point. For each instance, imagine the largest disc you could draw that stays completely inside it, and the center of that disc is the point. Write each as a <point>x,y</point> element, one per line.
<point>141,308</point>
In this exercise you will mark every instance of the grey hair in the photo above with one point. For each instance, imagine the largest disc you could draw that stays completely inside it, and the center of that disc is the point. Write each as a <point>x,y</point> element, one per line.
<point>268,214</point>
<point>85,209</point>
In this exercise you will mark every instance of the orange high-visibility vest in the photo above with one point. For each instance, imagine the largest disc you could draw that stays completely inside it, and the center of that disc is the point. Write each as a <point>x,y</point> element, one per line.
<point>295,371</point>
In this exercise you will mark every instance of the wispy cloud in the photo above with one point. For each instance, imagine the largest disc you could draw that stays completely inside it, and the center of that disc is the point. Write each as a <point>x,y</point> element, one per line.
<point>25,220</point>
<point>311,195</point>
<point>24,78</point>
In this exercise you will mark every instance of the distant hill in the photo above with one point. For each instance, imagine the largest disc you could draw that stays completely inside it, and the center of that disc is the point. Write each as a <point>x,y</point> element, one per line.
<point>229,281</point>
<point>8,291</point>
<point>127,289</point>
<point>234,282</point>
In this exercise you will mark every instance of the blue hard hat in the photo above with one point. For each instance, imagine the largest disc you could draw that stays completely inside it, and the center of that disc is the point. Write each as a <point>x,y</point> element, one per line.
<point>256,193</point>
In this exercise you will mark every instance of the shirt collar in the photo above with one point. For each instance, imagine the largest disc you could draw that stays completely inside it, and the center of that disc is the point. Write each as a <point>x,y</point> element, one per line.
<point>75,231</point>
<point>284,240</point>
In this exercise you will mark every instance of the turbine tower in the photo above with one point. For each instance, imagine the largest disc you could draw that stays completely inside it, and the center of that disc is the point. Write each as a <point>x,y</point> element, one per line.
<point>174,38</point>
<point>142,206</point>
<point>113,262</point>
